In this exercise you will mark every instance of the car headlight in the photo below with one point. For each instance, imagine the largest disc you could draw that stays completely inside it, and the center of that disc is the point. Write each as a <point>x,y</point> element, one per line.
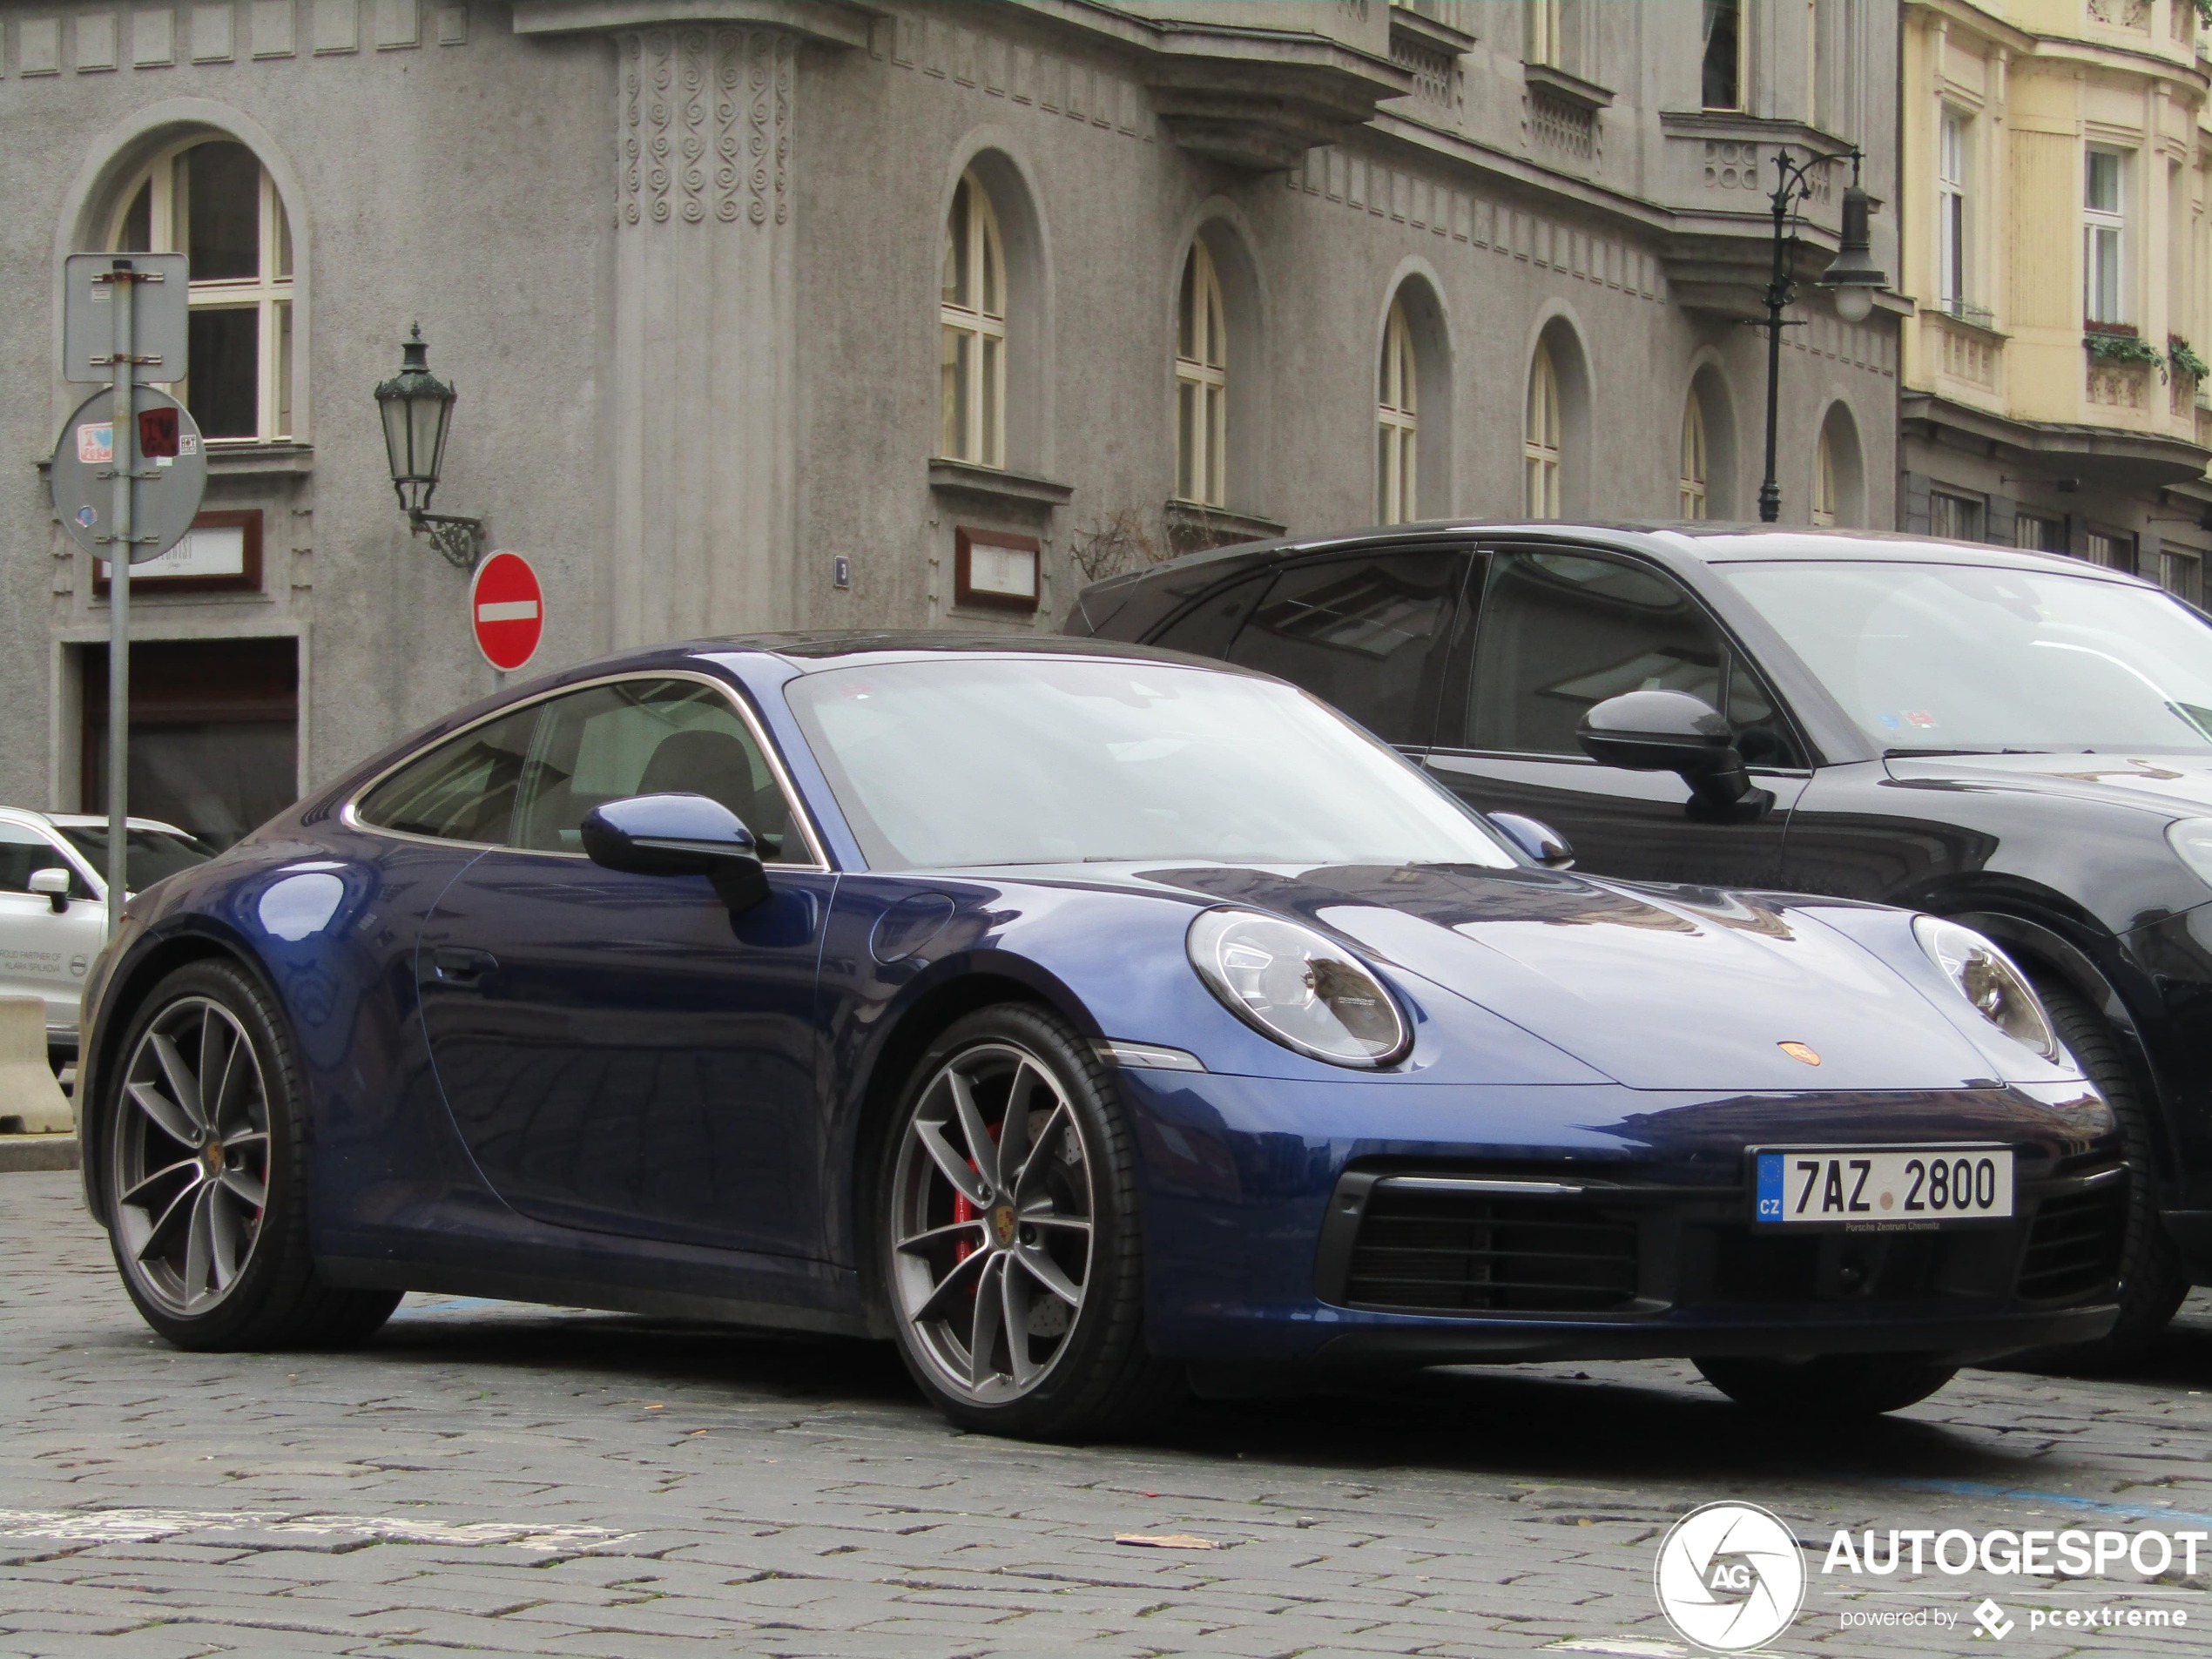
<point>1297,987</point>
<point>2191,839</point>
<point>1987,978</point>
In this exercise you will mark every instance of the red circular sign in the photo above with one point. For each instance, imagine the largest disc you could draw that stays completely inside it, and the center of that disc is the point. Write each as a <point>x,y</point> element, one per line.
<point>507,609</point>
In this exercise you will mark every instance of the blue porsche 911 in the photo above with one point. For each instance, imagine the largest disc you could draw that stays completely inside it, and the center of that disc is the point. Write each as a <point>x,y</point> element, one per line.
<point>1083,1017</point>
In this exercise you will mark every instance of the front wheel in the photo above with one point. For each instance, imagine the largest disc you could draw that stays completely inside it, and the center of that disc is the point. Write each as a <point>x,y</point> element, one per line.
<point>1831,1385</point>
<point>1009,1242</point>
<point>205,1174</point>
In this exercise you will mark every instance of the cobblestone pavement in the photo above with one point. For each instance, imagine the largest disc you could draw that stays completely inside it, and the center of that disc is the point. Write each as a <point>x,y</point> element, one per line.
<point>490,1477</point>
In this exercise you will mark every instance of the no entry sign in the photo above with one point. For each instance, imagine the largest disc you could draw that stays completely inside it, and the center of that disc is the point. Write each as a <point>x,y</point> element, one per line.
<point>507,609</point>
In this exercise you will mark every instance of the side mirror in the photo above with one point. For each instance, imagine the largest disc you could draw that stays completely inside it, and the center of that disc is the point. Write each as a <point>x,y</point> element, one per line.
<point>1674,731</point>
<point>679,835</point>
<point>54,883</point>
<point>1536,838</point>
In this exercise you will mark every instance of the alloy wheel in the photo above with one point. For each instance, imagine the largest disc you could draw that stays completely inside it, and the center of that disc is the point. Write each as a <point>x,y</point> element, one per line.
<point>191,1156</point>
<point>991,1217</point>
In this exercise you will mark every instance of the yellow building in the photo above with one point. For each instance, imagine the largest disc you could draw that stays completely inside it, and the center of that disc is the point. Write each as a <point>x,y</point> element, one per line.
<point>2052,224</point>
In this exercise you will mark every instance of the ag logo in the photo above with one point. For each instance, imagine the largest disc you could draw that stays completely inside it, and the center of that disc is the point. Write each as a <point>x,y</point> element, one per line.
<point>1729,1577</point>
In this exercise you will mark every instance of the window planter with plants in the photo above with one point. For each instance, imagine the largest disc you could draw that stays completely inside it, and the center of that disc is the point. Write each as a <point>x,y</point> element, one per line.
<point>2181,357</point>
<point>2119,343</point>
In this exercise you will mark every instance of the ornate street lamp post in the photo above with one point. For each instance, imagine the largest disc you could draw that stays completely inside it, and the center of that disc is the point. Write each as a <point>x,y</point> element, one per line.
<point>1853,277</point>
<point>417,408</point>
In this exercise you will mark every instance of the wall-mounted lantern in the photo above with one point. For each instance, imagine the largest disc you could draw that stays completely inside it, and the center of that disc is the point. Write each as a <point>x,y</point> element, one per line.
<point>417,408</point>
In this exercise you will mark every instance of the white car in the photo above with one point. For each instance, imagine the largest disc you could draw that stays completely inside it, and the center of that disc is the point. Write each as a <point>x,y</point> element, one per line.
<point>53,901</point>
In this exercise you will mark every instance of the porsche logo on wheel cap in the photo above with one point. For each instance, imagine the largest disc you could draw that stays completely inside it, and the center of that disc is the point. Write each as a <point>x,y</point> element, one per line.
<point>1003,1224</point>
<point>1804,1051</point>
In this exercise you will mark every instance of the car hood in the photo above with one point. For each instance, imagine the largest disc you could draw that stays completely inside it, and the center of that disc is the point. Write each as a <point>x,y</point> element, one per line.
<point>1658,988</point>
<point>2177,785</point>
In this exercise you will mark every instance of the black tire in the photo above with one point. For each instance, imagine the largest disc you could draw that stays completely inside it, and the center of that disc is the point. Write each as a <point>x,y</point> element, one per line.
<point>274,1298</point>
<point>1098,1377</point>
<point>2153,1278</point>
<point>1827,1386</point>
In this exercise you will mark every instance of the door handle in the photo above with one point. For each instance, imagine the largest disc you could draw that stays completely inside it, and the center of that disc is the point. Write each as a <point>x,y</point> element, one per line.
<point>457,966</point>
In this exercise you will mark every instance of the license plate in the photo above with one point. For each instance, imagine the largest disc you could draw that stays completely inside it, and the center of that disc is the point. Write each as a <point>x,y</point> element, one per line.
<point>1881,1188</point>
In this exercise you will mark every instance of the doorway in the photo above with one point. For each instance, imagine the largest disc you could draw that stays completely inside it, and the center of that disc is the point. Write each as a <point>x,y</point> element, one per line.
<point>214,733</point>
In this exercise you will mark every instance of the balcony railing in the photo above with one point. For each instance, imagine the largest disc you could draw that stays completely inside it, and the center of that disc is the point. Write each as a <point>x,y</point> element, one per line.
<point>1966,311</point>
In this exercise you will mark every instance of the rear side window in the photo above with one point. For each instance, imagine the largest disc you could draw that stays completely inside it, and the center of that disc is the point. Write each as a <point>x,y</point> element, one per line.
<point>1562,632</point>
<point>1208,627</point>
<point>464,790</point>
<point>1365,634</point>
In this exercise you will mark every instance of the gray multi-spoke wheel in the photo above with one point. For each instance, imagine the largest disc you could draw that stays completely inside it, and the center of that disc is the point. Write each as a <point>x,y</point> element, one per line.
<point>1010,1245</point>
<point>192,1154</point>
<point>203,1171</point>
<point>991,1222</point>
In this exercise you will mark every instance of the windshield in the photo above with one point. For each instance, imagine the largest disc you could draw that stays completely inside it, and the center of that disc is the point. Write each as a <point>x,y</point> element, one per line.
<point>1045,760</point>
<point>1950,658</point>
<point>151,855</point>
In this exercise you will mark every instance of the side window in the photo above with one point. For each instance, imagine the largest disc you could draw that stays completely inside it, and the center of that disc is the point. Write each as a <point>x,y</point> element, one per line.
<point>24,850</point>
<point>1208,627</point>
<point>1365,634</point>
<point>1560,632</point>
<point>648,737</point>
<point>464,790</point>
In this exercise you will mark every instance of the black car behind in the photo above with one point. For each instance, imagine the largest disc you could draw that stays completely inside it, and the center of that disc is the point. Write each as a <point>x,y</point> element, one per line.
<point>2019,741</point>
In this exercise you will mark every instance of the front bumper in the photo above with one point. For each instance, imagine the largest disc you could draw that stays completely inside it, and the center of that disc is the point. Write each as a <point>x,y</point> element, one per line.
<point>1570,1223</point>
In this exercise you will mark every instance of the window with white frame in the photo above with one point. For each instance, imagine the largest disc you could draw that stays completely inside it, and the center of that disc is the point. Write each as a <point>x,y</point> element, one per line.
<point>1201,383</point>
<point>1824,482</point>
<point>212,200</point>
<point>2104,228</point>
<point>1951,212</point>
<point>971,422</point>
<point>1692,486</point>
<point>2180,572</point>
<point>2039,533</point>
<point>1955,518</point>
<point>1546,32</point>
<point>1397,423</point>
<point>2115,550</point>
<point>1540,443</point>
<point>1722,71</point>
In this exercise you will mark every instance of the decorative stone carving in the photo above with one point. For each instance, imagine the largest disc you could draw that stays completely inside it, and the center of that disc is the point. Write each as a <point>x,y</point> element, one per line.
<point>1569,129</point>
<point>2119,385</point>
<point>2123,13</point>
<point>1965,354</point>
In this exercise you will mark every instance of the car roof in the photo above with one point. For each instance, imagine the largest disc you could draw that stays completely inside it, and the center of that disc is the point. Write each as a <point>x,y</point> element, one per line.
<point>813,652</point>
<point>1695,541</point>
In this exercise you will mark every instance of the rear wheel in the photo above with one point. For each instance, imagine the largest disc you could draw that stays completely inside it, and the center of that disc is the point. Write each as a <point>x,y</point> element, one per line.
<point>2153,1279</point>
<point>1009,1242</point>
<point>1831,1386</point>
<point>206,1174</point>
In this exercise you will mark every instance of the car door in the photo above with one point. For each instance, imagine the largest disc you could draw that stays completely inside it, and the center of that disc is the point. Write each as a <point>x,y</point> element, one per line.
<point>1365,633</point>
<point>620,1052</point>
<point>44,953</point>
<point>1553,632</point>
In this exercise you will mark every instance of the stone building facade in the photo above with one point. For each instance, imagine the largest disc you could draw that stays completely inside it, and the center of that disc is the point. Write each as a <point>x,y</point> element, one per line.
<point>2055,155</point>
<point>768,314</point>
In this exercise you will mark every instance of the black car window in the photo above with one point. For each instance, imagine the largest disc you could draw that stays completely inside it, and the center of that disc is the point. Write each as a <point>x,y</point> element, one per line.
<point>1207,628</point>
<point>1365,634</point>
<point>647,737</point>
<point>1562,632</point>
<point>22,851</point>
<point>464,790</point>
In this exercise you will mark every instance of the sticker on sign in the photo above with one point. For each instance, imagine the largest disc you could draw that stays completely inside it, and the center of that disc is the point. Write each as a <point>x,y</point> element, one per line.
<point>506,610</point>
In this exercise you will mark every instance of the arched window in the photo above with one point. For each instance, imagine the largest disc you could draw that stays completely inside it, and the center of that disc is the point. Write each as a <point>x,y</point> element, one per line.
<point>1540,444</point>
<point>1823,481</point>
<point>212,200</point>
<point>972,331</point>
<point>1398,424</point>
<point>1692,484</point>
<point>1201,384</point>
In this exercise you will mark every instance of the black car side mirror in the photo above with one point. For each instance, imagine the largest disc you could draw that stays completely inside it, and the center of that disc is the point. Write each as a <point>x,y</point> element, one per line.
<point>1536,838</point>
<point>1674,731</point>
<point>679,835</point>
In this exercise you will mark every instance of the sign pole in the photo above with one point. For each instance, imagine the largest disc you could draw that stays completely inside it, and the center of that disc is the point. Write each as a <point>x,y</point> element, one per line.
<point>123,450</point>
